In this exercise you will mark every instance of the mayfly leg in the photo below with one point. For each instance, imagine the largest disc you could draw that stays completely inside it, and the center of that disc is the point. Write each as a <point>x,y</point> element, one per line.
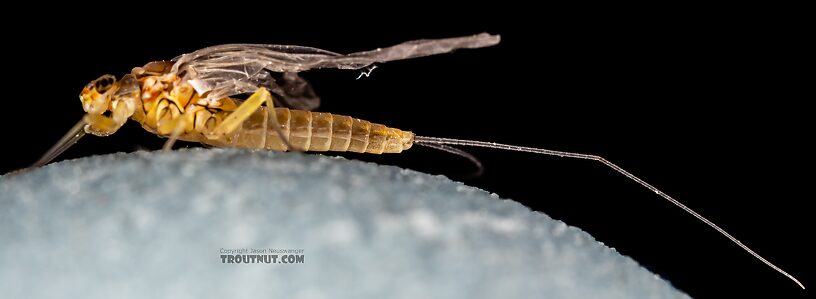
<point>270,114</point>
<point>69,139</point>
<point>178,124</point>
<point>252,104</point>
<point>424,140</point>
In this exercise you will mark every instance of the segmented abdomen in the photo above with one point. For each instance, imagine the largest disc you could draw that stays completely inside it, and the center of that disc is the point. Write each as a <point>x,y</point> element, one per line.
<point>317,131</point>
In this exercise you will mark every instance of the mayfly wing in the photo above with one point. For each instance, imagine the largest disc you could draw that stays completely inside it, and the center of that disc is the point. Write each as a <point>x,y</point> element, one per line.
<point>412,49</point>
<point>229,72</point>
<point>295,92</point>
<point>232,69</point>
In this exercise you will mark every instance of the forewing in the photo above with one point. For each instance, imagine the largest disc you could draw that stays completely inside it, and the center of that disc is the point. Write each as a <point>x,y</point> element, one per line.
<point>227,70</point>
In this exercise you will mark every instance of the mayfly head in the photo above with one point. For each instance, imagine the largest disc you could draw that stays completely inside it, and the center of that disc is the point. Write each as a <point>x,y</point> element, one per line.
<point>108,103</point>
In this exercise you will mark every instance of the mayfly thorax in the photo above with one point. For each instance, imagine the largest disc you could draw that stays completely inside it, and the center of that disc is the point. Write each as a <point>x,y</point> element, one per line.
<point>192,98</point>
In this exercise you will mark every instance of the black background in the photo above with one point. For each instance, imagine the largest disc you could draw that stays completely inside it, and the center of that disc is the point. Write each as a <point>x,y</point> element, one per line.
<point>708,106</point>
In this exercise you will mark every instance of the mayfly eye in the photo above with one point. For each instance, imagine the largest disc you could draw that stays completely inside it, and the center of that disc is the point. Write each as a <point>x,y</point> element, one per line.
<point>104,83</point>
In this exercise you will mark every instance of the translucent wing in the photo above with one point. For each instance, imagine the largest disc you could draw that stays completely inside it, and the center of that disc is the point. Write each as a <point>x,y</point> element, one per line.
<point>227,70</point>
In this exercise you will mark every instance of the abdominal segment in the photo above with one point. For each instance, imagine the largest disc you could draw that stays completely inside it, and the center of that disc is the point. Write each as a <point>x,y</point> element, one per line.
<point>315,131</point>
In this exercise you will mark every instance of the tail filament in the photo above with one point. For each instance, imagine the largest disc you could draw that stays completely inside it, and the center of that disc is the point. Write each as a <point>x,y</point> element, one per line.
<point>424,140</point>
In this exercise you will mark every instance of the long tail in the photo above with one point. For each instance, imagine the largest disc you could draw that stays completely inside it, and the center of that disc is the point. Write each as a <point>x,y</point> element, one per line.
<point>448,149</point>
<point>448,141</point>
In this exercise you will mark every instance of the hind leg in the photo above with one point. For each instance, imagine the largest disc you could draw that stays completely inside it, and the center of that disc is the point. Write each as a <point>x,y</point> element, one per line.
<point>244,111</point>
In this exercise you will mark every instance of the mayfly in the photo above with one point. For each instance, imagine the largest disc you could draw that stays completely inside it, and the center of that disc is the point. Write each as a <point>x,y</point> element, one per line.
<point>191,98</point>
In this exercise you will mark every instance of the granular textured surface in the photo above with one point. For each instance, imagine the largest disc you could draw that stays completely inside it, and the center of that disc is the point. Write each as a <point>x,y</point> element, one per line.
<point>167,225</point>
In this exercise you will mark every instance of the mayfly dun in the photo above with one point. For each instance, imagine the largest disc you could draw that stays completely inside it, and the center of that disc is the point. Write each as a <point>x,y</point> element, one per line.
<point>191,98</point>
